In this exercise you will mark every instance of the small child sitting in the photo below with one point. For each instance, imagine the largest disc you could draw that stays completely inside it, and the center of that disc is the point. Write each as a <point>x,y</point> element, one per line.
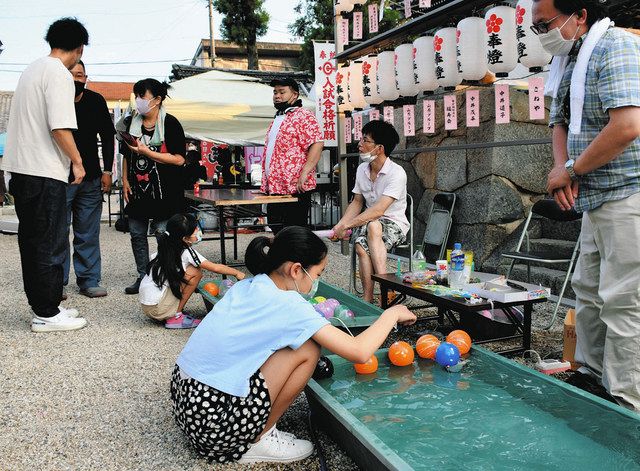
<point>174,272</point>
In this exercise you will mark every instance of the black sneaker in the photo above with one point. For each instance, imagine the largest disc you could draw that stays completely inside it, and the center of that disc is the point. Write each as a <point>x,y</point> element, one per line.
<point>134,288</point>
<point>589,384</point>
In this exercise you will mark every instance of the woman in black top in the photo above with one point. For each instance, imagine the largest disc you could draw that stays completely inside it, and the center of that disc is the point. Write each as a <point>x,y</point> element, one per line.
<point>153,170</point>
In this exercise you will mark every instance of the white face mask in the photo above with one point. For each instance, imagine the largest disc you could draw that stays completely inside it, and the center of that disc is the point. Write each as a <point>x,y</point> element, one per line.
<point>367,157</point>
<point>142,105</point>
<point>555,44</point>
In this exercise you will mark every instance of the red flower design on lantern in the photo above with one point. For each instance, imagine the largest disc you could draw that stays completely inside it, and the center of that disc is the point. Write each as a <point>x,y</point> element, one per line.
<point>520,14</point>
<point>415,53</point>
<point>437,43</point>
<point>366,68</point>
<point>457,36</point>
<point>395,59</point>
<point>493,24</point>
<point>339,78</point>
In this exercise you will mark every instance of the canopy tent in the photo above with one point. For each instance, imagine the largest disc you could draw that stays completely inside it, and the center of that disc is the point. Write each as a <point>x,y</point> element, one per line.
<point>224,107</point>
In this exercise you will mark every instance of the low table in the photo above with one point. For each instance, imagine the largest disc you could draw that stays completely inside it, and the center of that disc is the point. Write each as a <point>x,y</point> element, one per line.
<point>447,306</point>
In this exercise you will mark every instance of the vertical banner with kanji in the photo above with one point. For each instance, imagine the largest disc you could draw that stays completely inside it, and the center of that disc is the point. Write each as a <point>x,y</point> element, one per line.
<point>357,24</point>
<point>373,18</point>
<point>429,116</point>
<point>409,117</point>
<point>357,126</point>
<point>450,112</point>
<point>503,110</point>
<point>209,158</point>
<point>536,98</point>
<point>425,4</point>
<point>374,115</point>
<point>407,8</point>
<point>325,85</point>
<point>388,114</point>
<point>473,108</point>
<point>348,130</point>
<point>343,31</point>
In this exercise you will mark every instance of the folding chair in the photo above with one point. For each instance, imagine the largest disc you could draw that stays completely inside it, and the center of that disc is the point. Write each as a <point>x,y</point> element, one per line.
<point>545,208</point>
<point>393,255</point>
<point>436,234</point>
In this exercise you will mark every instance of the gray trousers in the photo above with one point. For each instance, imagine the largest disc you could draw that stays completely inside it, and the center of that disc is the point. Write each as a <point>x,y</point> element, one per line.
<point>607,286</point>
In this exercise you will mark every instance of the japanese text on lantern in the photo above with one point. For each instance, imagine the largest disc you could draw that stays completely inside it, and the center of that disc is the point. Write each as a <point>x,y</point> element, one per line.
<point>503,111</point>
<point>473,108</point>
<point>536,98</point>
<point>429,118</point>
<point>326,92</point>
<point>494,54</point>
<point>450,112</point>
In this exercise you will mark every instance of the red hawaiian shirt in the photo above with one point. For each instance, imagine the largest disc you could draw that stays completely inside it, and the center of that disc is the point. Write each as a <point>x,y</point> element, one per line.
<point>298,131</point>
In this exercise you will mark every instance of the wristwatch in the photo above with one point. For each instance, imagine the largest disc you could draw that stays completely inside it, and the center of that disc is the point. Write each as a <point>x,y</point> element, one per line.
<point>570,170</point>
<point>107,173</point>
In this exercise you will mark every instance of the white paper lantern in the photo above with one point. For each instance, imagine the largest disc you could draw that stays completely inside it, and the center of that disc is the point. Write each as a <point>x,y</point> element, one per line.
<point>531,54</point>
<point>359,2</point>
<point>405,73</point>
<point>500,35</point>
<point>342,6</point>
<point>356,95</point>
<point>445,48</point>
<point>387,76</point>
<point>370,81</point>
<point>425,64</point>
<point>342,89</point>
<point>472,48</point>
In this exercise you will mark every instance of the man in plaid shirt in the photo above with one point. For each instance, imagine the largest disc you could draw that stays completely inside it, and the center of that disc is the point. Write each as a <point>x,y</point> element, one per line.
<point>597,171</point>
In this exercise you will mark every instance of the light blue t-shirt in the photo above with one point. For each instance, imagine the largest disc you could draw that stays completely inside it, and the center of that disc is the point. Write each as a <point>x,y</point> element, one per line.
<point>253,320</point>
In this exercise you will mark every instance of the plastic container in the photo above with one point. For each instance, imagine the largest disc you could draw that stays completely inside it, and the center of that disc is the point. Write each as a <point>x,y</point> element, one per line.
<point>456,267</point>
<point>419,263</point>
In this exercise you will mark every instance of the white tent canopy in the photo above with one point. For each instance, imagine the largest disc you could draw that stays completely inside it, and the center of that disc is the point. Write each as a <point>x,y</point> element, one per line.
<point>224,107</point>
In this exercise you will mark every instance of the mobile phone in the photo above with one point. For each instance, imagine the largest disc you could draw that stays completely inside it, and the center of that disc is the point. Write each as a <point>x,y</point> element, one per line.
<point>128,138</point>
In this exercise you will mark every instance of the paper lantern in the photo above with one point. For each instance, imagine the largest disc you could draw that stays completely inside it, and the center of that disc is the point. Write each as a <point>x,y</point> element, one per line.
<point>370,81</point>
<point>404,70</point>
<point>356,96</point>
<point>387,76</point>
<point>358,2</point>
<point>342,89</point>
<point>531,54</point>
<point>472,48</point>
<point>500,35</point>
<point>343,6</point>
<point>448,71</point>
<point>425,64</point>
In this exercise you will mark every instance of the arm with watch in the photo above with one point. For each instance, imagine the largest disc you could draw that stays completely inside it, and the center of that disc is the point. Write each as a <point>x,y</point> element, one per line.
<point>107,132</point>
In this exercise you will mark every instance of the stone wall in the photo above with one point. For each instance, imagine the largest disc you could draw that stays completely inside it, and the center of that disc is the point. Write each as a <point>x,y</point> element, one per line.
<point>495,187</point>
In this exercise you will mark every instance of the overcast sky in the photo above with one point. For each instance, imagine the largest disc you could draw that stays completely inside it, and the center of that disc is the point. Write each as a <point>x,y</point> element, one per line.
<point>160,33</point>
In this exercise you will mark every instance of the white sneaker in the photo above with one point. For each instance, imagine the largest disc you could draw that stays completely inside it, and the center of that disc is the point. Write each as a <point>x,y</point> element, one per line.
<point>72,313</point>
<point>277,447</point>
<point>59,322</point>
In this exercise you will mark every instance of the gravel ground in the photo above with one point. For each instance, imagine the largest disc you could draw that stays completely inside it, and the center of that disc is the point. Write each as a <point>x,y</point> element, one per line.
<point>98,398</point>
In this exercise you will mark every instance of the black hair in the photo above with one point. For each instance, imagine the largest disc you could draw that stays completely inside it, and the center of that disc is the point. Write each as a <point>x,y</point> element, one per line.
<point>382,133</point>
<point>83,66</point>
<point>67,34</point>
<point>167,265</point>
<point>152,85</point>
<point>292,244</point>
<point>595,10</point>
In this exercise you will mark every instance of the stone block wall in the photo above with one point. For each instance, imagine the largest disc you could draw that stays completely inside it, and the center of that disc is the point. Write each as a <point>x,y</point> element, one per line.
<point>495,186</point>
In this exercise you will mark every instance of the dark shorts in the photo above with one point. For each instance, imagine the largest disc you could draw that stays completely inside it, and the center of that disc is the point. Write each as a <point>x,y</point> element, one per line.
<point>391,235</point>
<point>219,426</point>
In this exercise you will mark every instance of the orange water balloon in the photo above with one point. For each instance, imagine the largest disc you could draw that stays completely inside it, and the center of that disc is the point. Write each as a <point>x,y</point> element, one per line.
<point>401,353</point>
<point>212,289</point>
<point>367,368</point>
<point>461,340</point>
<point>427,346</point>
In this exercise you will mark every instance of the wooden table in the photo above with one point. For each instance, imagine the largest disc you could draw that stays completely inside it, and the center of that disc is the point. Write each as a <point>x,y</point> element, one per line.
<point>448,306</point>
<point>232,197</point>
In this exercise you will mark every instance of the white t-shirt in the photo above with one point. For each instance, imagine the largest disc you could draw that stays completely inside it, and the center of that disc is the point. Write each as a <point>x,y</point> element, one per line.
<point>42,102</point>
<point>391,181</point>
<point>149,293</point>
<point>271,145</point>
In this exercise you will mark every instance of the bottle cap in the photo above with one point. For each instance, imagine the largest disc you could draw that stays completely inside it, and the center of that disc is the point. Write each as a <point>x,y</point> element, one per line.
<point>457,246</point>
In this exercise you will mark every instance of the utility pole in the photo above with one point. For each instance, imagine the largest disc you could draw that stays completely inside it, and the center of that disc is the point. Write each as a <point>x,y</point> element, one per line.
<point>212,43</point>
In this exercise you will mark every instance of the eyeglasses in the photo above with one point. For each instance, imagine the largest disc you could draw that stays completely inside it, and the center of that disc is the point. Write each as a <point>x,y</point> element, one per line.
<point>367,141</point>
<point>543,27</point>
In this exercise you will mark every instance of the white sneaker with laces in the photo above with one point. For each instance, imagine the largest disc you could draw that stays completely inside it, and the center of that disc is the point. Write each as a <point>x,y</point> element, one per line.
<point>277,447</point>
<point>58,323</point>
<point>72,313</point>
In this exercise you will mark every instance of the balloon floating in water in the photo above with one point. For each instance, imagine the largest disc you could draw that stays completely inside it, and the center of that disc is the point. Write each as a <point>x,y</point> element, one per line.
<point>427,345</point>
<point>211,288</point>
<point>320,299</point>
<point>461,340</point>
<point>225,285</point>
<point>324,309</point>
<point>401,353</point>
<point>334,303</point>
<point>324,368</point>
<point>371,366</point>
<point>343,312</point>
<point>447,354</point>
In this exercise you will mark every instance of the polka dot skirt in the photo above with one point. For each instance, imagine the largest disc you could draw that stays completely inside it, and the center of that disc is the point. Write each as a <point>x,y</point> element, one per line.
<point>220,426</point>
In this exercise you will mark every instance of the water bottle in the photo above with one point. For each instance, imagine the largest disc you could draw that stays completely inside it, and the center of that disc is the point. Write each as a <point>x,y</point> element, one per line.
<point>418,262</point>
<point>456,268</point>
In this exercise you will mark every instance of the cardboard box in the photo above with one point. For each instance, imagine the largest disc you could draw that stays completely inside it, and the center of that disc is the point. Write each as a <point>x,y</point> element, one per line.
<point>498,291</point>
<point>569,336</point>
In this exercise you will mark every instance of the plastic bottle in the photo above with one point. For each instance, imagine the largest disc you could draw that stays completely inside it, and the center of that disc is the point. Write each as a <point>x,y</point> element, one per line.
<point>456,268</point>
<point>418,261</point>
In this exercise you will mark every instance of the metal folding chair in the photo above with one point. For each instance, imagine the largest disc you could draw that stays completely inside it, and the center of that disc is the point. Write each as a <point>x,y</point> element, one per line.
<point>436,234</point>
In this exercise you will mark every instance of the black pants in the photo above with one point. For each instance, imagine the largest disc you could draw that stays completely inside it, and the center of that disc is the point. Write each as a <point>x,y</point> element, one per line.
<point>282,215</point>
<point>41,207</point>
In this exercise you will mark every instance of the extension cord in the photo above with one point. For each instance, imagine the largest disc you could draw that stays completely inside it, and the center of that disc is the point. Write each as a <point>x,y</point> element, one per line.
<point>550,367</point>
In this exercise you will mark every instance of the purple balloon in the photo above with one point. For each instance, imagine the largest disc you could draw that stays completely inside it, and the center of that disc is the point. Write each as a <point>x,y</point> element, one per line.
<point>334,303</point>
<point>324,309</point>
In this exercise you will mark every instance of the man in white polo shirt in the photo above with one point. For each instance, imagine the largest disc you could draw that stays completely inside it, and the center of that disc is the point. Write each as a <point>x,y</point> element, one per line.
<point>381,188</point>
